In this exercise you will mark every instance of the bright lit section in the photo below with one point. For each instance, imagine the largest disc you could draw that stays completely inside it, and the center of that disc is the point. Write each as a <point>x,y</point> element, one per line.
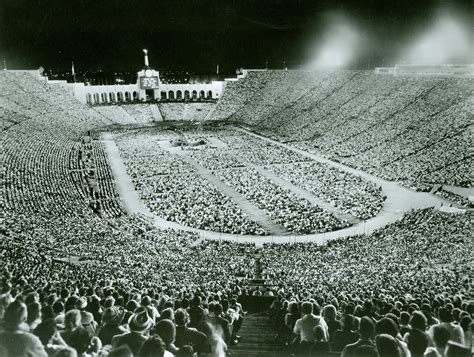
<point>445,41</point>
<point>338,47</point>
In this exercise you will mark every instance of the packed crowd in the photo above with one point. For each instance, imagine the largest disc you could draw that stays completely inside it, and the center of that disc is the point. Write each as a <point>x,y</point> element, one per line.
<point>193,201</point>
<point>411,280</point>
<point>169,184</point>
<point>284,207</point>
<point>459,200</point>
<point>78,283</point>
<point>141,113</point>
<point>185,111</point>
<point>117,112</point>
<point>420,263</point>
<point>348,192</point>
<point>144,157</point>
<point>414,130</point>
<point>257,151</point>
<point>43,170</point>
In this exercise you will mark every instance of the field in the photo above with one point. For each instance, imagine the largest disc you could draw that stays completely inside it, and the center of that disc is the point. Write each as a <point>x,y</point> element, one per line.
<point>229,181</point>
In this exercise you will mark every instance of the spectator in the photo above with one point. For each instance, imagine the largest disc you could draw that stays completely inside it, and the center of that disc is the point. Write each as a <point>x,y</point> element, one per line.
<point>305,325</point>
<point>446,320</point>
<point>187,335</point>
<point>84,343</point>
<point>139,323</point>
<point>72,321</point>
<point>320,343</point>
<point>329,314</point>
<point>387,346</point>
<point>366,332</point>
<point>346,335</point>
<point>111,324</point>
<point>441,336</point>
<point>14,341</point>
<point>154,347</point>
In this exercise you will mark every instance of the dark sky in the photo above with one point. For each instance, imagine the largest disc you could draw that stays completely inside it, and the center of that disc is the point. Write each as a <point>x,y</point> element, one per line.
<point>197,34</point>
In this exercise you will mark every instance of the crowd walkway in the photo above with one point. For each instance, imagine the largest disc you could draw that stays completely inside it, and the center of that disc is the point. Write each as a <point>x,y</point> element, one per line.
<point>129,197</point>
<point>257,339</point>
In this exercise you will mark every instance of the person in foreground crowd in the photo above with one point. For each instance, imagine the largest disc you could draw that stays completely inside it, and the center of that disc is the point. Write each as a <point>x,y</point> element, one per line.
<point>15,340</point>
<point>139,324</point>
<point>304,327</point>
<point>366,333</point>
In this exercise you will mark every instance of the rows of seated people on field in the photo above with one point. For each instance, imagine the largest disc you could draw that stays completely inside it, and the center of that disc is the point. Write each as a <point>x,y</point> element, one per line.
<point>348,192</point>
<point>284,207</point>
<point>258,151</point>
<point>172,190</point>
<point>159,272</point>
<point>365,120</point>
<point>185,111</point>
<point>144,157</point>
<point>215,158</point>
<point>193,201</point>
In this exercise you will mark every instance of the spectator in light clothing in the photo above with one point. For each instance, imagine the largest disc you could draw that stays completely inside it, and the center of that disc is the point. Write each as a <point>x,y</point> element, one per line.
<point>304,326</point>
<point>446,319</point>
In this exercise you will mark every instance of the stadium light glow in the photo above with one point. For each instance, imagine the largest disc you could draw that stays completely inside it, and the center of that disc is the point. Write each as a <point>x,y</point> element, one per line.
<point>338,47</point>
<point>446,40</point>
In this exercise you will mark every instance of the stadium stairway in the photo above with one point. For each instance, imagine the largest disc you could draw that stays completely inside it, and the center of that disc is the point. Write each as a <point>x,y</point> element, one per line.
<point>257,339</point>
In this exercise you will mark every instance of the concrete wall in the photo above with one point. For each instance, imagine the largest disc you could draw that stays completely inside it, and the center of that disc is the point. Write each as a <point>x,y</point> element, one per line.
<point>120,93</point>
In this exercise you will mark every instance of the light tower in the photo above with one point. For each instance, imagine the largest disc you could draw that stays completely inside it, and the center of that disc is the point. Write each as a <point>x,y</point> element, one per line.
<point>145,51</point>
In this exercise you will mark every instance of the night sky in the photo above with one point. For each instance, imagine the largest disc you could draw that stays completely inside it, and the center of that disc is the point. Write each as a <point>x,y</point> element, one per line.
<point>196,35</point>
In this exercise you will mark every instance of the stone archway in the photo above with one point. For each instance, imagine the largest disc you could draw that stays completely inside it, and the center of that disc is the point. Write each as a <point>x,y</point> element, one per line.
<point>112,97</point>
<point>171,95</point>
<point>179,95</point>
<point>209,94</point>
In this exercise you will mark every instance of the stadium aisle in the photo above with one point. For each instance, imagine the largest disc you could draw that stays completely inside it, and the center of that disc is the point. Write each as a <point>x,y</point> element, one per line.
<point>257,339</point>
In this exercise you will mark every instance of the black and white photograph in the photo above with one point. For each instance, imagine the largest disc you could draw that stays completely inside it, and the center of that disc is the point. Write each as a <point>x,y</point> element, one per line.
<point>243,178</point>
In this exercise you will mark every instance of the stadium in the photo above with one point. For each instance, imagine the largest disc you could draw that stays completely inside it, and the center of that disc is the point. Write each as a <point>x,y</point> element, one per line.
<point>278,212</point>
